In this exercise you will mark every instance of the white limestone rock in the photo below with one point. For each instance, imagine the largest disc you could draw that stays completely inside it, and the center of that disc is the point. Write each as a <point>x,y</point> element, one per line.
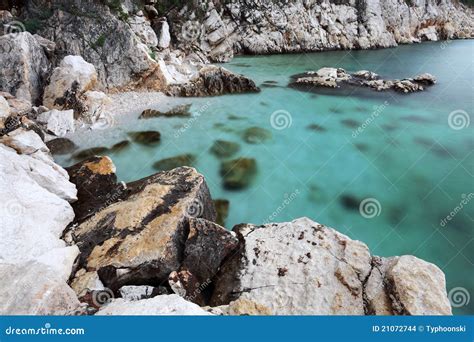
<point>297,268</point>
<point>160,305</point>
<point>60,260</point>
<point>24,142</point>
<point>4,111</point>
<point>74,74</point>
<point>95,102</point>
<point>23,66</point>
<point>165,38</point>
<point>417,287</point>
<point>132,293</point>
<point>59,122</point>
<point>262,27</point>
<point>302,267</point>
<point>141,27</point>
<point>35,210</point>
<point>34,289</point>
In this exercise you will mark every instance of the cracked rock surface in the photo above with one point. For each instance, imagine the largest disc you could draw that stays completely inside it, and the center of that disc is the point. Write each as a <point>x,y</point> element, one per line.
<point>302,267</point>
<point>139,237</point>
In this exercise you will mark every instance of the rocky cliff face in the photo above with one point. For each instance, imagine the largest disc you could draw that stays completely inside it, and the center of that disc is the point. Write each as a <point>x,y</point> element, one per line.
<point>260,27</point>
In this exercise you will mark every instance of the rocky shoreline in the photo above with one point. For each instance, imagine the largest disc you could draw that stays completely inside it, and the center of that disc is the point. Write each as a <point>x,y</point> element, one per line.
<point>78,242</point>
<point>152,247</point>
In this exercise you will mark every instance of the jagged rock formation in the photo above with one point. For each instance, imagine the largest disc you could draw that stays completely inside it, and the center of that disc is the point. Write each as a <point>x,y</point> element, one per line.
<point>340,78</point>
<point>138,237</point>
<point>211,81</point>
<point>303,267</point>
<point>34,262</point>
<point>24,66</point>
<point>261,27</point>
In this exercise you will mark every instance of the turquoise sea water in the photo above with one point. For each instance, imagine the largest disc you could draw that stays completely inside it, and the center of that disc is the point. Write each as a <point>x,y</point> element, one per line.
<point>407,159</point>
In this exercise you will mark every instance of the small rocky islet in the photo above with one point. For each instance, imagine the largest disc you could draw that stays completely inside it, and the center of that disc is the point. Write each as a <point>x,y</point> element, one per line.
<point>158,245</point>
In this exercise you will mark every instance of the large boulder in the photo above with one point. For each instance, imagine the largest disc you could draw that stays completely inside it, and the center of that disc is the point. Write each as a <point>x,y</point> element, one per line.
<point>32,185</point>
<point>160,305</point>
<point>406,285</point>
<point>24,66</point>
<point>73,76</point>
<point>302,267</point>
<point>138,238</point>
<point>211,81</point>
<point>34,289</point>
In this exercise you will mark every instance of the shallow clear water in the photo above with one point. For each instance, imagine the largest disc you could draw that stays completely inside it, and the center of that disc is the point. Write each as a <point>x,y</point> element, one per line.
<point>408,158</point>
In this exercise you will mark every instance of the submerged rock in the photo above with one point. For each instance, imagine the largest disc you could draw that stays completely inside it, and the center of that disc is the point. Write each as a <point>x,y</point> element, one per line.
<point>316,128</point>
<point>179,111</point>
<point>222,210</point>
<point>90,152</point>
<point>174,162</point>
<point>120,146</point>
<point>146,137</point>
<point>139,236</point>
<point>211,81</point>
<point>224,149</point>
<point>238,173</point>
<point>302,267</point>
<point>256,135</point>
<point>160,305</point>
<point>61,146</point>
